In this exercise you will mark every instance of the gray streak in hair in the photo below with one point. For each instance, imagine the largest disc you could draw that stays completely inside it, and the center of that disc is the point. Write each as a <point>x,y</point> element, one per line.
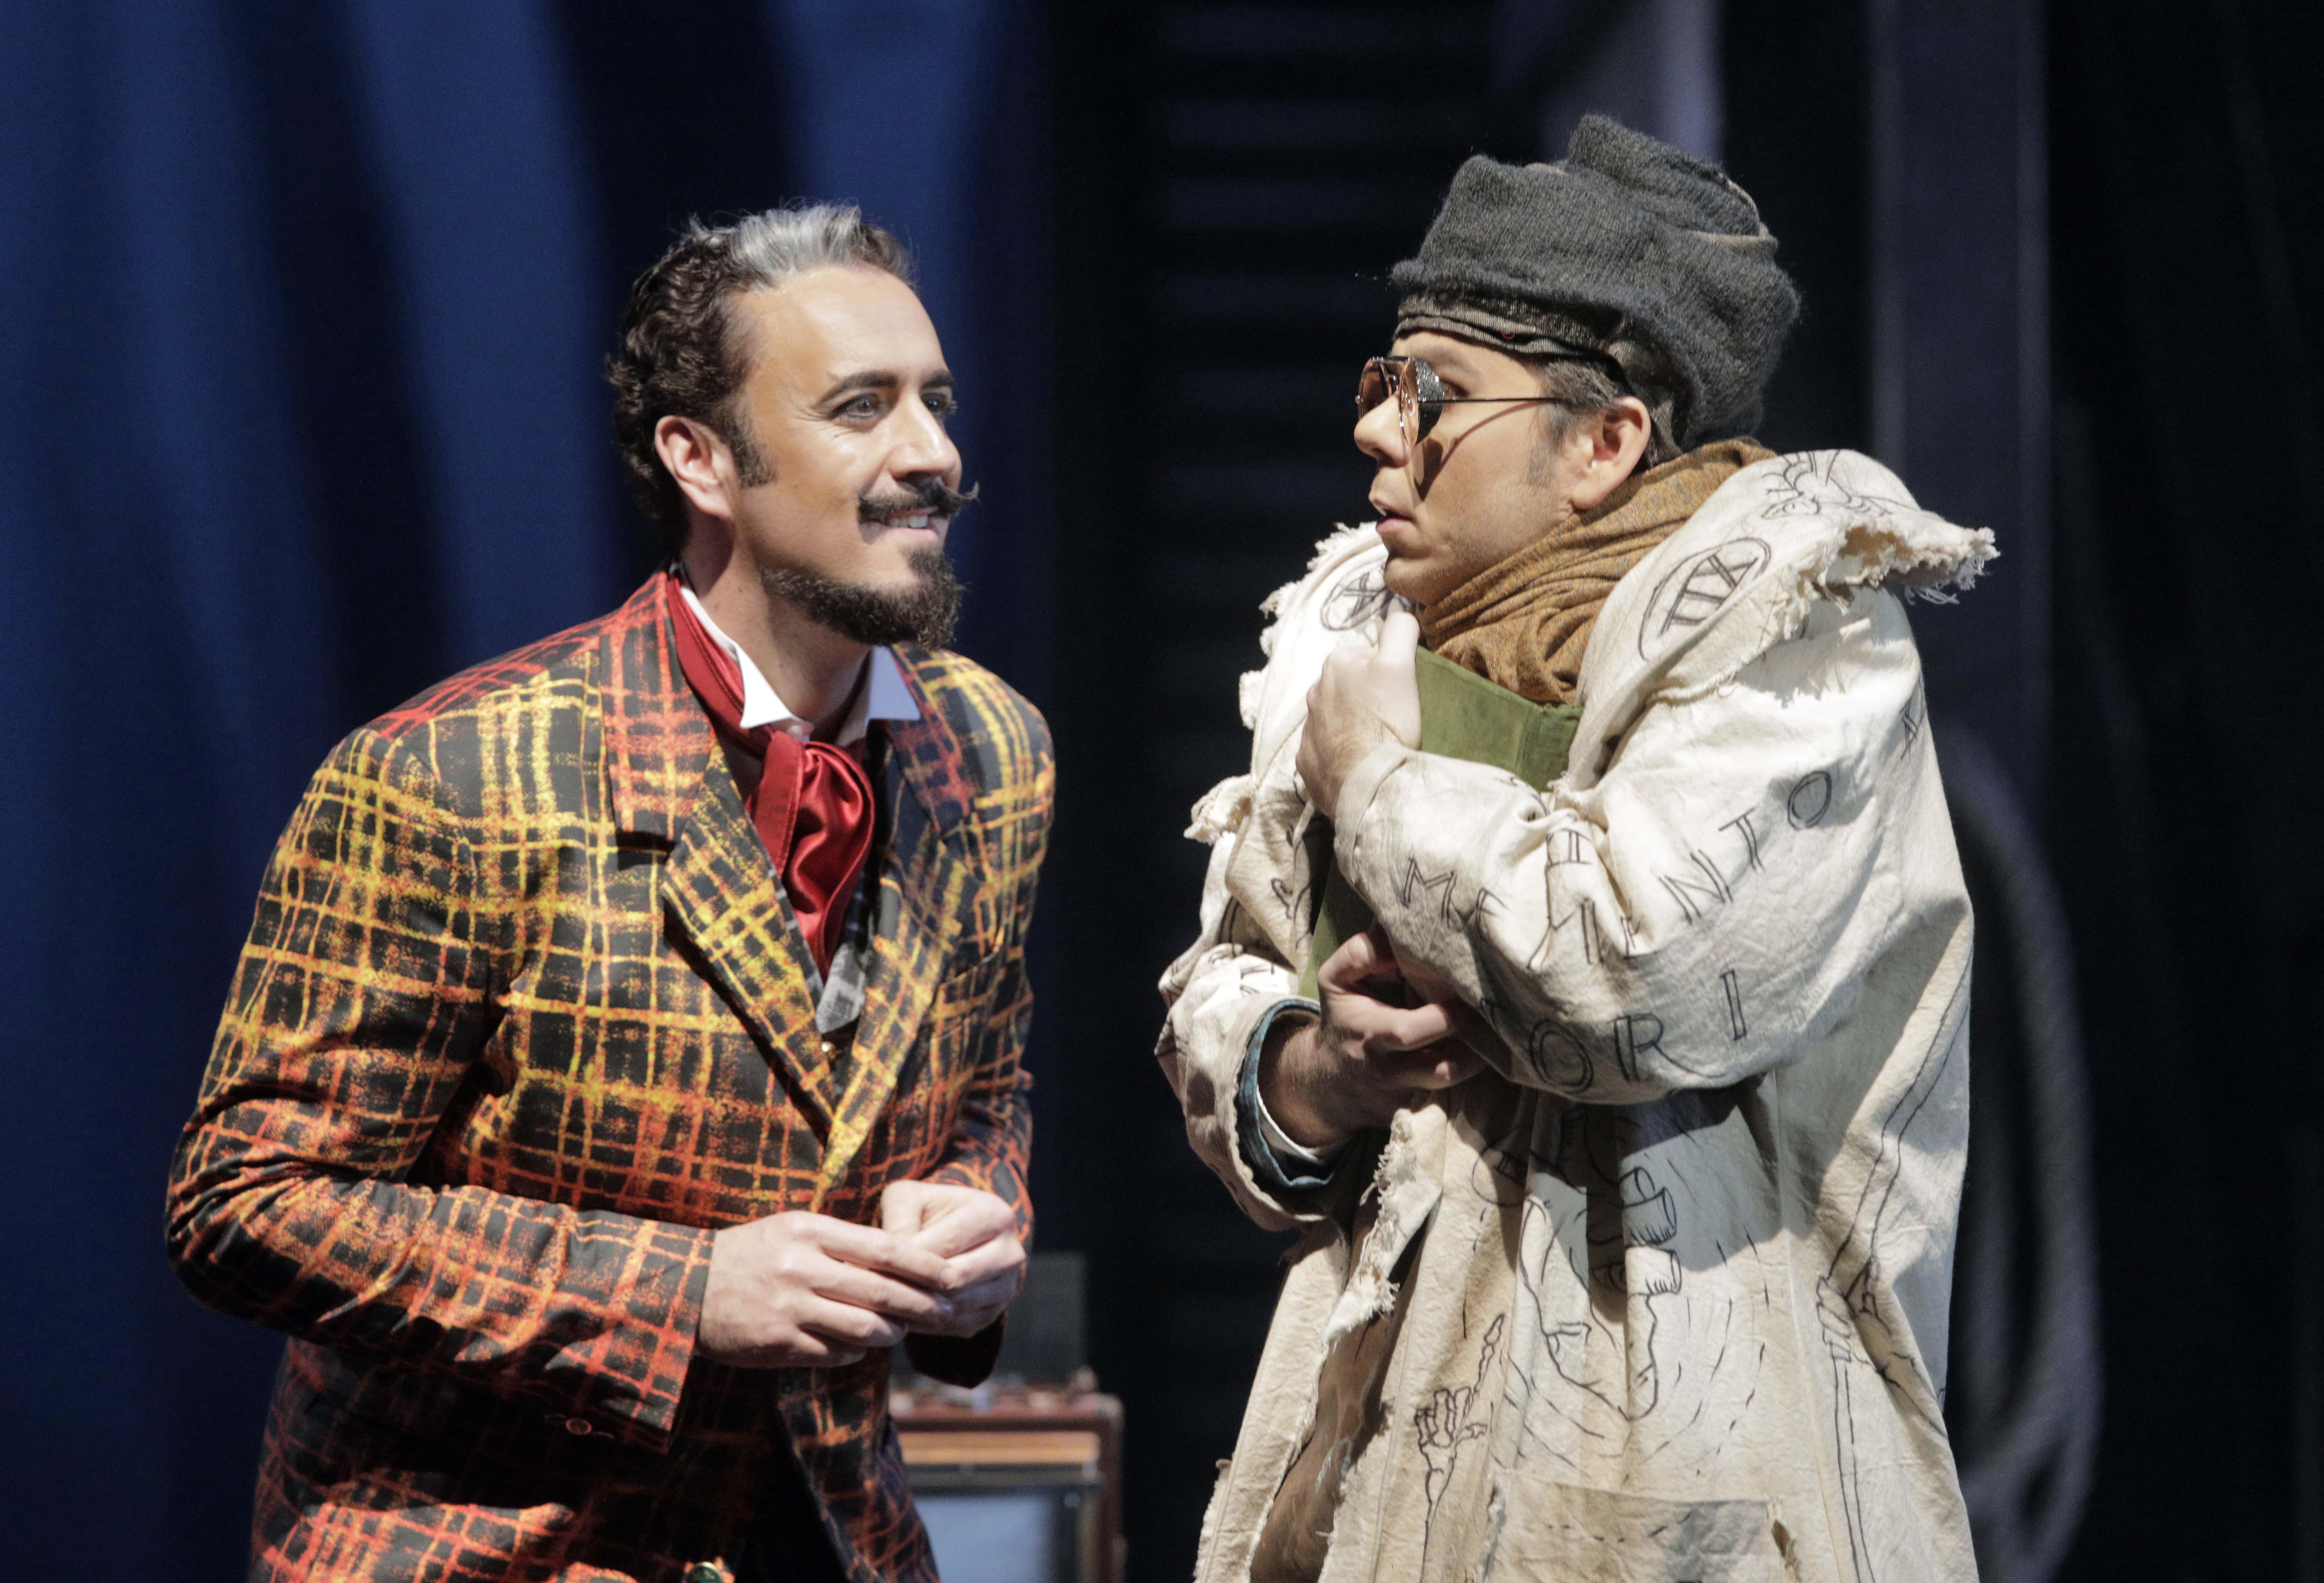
<point>679,356</point>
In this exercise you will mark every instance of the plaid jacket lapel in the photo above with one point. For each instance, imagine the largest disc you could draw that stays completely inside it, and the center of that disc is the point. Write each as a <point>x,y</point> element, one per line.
<point>669,781</point>
<point>722,894</point>
<point>924,882</point>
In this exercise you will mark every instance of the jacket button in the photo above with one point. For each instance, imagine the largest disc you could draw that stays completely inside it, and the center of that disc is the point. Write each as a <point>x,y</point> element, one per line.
<point>577,1426</point>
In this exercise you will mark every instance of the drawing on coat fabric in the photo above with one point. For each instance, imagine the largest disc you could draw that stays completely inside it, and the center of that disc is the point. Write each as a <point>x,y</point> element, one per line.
<point>1583,913</point>
<point>1857,1333</point>
<point>1363,600</point>
<point>1802,486</point>
<point>1635,1261</point>
<point>1449,1419</point>
<point>1559,1061</point>
<point>1295,901</point>
<point>1641,1034</point>
<point>1699,587</point>
<point>1649,1349</point>
<point>1809,800</point>
<point>1697,893</point>
<point>1916,713</point>
<point>1741,824</point>
<point>1837,1315</point>
<point>1638,1034</point>
<point>1563,1062</point>
<point>1440,886</point>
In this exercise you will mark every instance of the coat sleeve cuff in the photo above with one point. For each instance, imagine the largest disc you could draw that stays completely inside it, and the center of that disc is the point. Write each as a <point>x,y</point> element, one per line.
<point>634,1372</point>
<point>1297,1186</point>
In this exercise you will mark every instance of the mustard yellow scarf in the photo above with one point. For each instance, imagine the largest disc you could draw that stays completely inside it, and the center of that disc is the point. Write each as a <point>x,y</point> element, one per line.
<point>1525,623</point>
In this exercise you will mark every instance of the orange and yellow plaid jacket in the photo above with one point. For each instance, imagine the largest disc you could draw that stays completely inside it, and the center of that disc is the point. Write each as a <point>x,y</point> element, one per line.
<point>522,1018</point>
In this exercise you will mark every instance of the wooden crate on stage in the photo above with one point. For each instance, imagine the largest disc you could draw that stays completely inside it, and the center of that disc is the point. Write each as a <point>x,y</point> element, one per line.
<point>1015,1486</point>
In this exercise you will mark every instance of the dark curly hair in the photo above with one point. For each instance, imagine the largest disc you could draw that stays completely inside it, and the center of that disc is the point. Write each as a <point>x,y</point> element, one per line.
<point>679,354</point>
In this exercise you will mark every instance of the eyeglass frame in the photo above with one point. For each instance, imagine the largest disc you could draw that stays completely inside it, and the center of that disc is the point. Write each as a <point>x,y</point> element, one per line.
<point>1419,393</point>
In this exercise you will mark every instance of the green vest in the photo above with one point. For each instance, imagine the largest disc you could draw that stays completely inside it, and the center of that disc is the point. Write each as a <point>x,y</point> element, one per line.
<point>1461,717</point>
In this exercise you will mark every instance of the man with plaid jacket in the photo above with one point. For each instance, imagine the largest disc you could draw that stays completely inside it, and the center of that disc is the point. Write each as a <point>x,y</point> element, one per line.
<point>624,1056</point>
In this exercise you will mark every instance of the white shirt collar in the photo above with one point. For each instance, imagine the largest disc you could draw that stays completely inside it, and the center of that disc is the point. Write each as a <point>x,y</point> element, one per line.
<point>884,695</point>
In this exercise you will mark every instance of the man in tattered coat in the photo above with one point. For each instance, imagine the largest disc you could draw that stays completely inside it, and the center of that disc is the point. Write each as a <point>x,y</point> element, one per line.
<point>1626,1141</point>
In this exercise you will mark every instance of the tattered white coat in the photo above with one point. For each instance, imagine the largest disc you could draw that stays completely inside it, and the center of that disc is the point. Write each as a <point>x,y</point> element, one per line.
<point>1680,1311</point>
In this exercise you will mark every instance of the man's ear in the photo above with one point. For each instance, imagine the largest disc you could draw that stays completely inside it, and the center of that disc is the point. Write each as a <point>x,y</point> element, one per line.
<point>1611,444</point>
<point>702,461</point>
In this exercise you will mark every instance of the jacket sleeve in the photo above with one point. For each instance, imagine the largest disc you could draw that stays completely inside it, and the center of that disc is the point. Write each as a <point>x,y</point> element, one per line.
<point>358,1014</point>
<point>1223,993</point>
<point>1707,905</point>
<point>992,1139</point>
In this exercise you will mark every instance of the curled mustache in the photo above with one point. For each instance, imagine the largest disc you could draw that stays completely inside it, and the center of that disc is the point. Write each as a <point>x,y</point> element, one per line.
<point>932,495</point>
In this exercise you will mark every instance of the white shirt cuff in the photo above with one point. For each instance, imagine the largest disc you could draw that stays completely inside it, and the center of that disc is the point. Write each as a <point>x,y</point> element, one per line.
<point>1284,1149</point>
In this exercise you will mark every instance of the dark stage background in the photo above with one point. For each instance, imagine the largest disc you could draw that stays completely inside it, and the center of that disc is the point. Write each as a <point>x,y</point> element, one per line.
<point>303,307</point>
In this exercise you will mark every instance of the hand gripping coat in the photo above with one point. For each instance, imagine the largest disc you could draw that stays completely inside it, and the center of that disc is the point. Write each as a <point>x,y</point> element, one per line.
<point>522,1018</point>
<point>1680,1266</point>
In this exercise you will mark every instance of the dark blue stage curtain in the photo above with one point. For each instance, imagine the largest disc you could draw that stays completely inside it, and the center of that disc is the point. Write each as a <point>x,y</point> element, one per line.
<point>302,304</point>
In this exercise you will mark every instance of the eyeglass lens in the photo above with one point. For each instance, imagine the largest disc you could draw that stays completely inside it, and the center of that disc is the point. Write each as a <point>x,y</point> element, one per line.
<point>1415,386</point>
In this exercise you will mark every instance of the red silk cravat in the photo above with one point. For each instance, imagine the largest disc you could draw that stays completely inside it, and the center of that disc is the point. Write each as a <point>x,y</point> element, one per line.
<point>812,803</point>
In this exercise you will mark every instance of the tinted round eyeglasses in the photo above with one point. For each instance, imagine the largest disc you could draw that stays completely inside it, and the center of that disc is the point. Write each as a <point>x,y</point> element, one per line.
<point>1419,394</point>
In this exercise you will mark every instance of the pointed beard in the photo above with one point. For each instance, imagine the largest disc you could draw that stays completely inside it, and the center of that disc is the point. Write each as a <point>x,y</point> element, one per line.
<point>922,612</point>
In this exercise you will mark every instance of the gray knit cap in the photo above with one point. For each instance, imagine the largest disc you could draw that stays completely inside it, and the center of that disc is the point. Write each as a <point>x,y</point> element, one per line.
<point>1626,250</point>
